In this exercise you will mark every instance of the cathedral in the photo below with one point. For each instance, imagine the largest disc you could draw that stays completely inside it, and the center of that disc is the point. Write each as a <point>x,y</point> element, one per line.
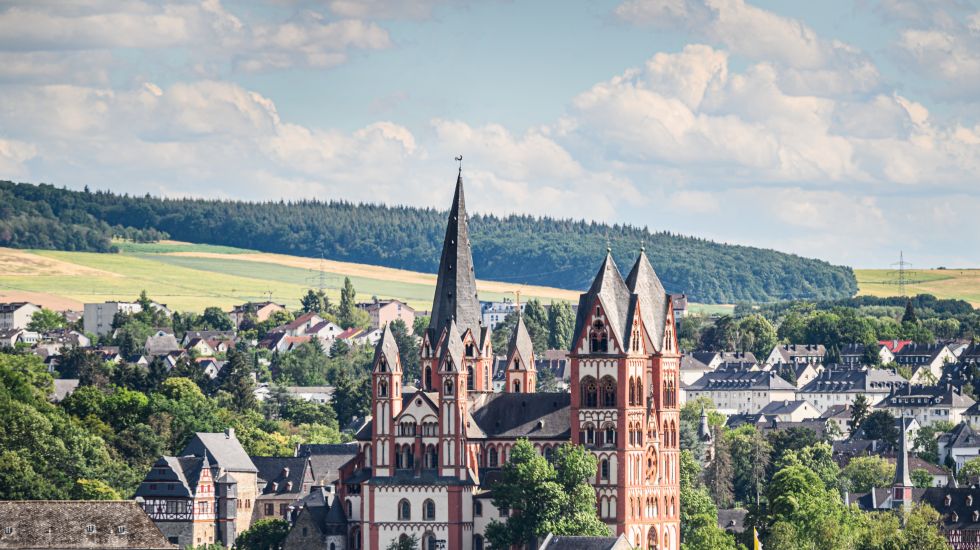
<point>427,457</point>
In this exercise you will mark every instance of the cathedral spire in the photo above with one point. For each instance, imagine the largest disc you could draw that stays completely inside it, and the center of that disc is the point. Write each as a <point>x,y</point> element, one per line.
<point>643,281</point>
<point>455,297</point>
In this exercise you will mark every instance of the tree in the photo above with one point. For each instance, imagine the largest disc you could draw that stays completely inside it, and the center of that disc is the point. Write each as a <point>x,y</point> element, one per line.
<point>312,302</point>
<point>236,379</point>
<point>216,319</point>
<point>969,470</point>
<point>264,534</point>
<point>719,473</point>
<point>927,440</point>
<point>799,498</point>
<point>306,365</point>
<point>909,315</point>
<point>864,473</point>
<point>881,425</point>
<point>859,411</point>
<point>551,499</point>
<point>561,323</point>
<point>404,542</point>
<point>45,320</point>
<point>408,350</point>
<point>94,489</point>
<point>751,454</point>
<point>921,478</point>
<point>757,335</point>
<point>347,312</point>
<point>923,529</point>
<point>347,399</point>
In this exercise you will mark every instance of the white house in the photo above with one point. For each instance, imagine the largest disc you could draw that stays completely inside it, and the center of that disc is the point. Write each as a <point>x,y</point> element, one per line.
<point>925,360</point>
<point>737,392</point>
<point>841,387</point>
<point>17,315</point>
<point>961,445</point>
<point>797,353</point>
<point>796,410</point>
<point>929,404</point>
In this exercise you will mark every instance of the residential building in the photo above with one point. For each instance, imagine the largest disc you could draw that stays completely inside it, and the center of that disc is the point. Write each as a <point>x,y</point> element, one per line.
<point>327,460</point>
<point>696,364</point>
<point>161,343</point>
<point>841,387</point>
<point>552,542</point>
<point>260,311</point>
<point>928,404</point>
<point>368,337</point>
<point>299,325</point>
<point>319,522</point>
<point>12,337</point>
<point>283,482</point>
<point>855,355</point>
<point>326,332</point>
<point>797,353</point>
<point>98,317</point>
<point>925,360</point>
<point>63,387</point>
<point>735,392</point>
<point>798,374</point>
<point>427,457</point>
<point>204,496</point>
<point>315,394</point>
<point>492,313</point>
<point>679,302</point>
<point>796,410</point>
<point>959,445</point>
<point>207,335</point>
<point>840,416</point>
<point>894,346</point>
<point>71,524</point>
<point>16,315</point>
<point>383,312</point>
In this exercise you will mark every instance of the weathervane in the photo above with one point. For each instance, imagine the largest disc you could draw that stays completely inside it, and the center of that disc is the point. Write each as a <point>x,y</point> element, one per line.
<point>459,159</point>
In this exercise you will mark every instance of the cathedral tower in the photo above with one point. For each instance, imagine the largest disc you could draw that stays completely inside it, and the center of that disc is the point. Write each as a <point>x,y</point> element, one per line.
<point>521,374</point>
<point>386,401</point>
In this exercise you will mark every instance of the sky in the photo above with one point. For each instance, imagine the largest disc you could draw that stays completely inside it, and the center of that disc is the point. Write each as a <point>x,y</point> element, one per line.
<point>847,131</point>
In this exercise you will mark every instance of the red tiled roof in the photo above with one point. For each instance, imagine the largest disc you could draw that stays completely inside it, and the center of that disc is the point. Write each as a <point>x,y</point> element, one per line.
<point>895,346</point>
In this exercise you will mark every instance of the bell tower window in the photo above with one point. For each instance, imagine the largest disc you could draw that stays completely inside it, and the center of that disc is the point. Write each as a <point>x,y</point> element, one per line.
<point>598,337</point>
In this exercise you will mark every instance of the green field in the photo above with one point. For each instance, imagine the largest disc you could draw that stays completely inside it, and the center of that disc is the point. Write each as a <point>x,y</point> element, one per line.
<point>191,277</point>
<point>963,284</point>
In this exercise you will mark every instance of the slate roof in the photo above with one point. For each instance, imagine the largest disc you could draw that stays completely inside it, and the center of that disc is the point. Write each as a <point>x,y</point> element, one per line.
<point>918,350</point>
<point>387,348</point>
<point>521,344</point>
<point>172,476</point>
<point>161,345</point>
<point>783,407</point>
<point>64,524</point>
<point>327,512</point>
<point>452,349</point>
<point>791,351</point>
<point>281,475</point>
<point>584,543</point>
<point>962,436</point>
<point>643,281</point>
<point>222,449</point>
<point>732,519</point>
<point>611,291</point>
<point>63,387</point>
<point>455,296</point>
<point>926,396</point>
<point>326,460</point>
<point>740,380</point>
<point>530,415</point>
<point>855,381</point>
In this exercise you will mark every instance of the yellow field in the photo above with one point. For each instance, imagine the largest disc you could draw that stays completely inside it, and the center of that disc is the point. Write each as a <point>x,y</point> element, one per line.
<point>191,277</point>
<point>963,284</point>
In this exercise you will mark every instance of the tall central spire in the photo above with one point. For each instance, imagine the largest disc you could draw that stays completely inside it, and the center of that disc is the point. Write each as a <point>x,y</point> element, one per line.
<point>456,296</point>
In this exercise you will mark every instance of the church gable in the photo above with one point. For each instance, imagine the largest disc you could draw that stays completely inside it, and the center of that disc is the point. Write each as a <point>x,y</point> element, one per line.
<point>596,332</point>
<point>417,407</point>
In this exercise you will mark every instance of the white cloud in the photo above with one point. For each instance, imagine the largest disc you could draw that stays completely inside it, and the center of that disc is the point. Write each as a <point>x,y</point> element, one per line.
<point>384,9</point>
<point>813,64</point>
<point>13,155</point>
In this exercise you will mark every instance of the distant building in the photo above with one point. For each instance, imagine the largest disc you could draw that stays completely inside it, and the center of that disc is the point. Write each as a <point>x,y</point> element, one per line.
<point>854,354</point>
<point>796,410</point>
<point>63,387</point>
<point>283,481</point>
<point>161,343</point>
<point>959,445</point>
<point>735,392</point>
<point>70,524</point>
<point>220,335</point>
<point>925,360</point>
<point>12,337</point>
<point>383,312</point>
<point>679,304</point>
<point>260,310</point>
<point>696,364</point>
<point>797,353</point>
<point>315,394</point>
<point>319,522</point>
<point>929,404</point>
<point>841,387</point>
<point>493,313</point>
<point>98,317</point>
<point>16,315</point>
<point>300,325</point>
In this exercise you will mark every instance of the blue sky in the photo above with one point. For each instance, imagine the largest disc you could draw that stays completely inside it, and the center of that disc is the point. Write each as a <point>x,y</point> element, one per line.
<point>841,130</point>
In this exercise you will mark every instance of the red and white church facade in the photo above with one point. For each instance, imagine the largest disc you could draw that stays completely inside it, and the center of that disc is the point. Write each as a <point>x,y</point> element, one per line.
<point>429,455</point>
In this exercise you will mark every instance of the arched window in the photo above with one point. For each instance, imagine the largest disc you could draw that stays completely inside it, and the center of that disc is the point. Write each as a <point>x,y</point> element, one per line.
<point>470,379</point>
<point>428,378</point>
<point>355,539</point>
<point>477,508</point>
<point>608,390</point>
<point>492,457</point>
<point>429,510</point>
<point>470,350</point>
<point>477,542</point>
<point>382,389</point>
<point>517,386</point>
<point>590,392</point>
<point>428,541</point>
<point>632,392</point>
<point>404,510</point>
<point>604,469</point>
<point>598,338</point>
<point>548,453</point>
<point>610,435</point>
<point>431,457</point>
<point>449,386</point>
<point>589,434</point>
<point>350,509</point>
<point>382,365</point>
<point>640,398</point>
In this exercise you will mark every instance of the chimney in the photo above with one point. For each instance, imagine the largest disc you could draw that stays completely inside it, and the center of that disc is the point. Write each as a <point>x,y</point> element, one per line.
<point>229,433</point>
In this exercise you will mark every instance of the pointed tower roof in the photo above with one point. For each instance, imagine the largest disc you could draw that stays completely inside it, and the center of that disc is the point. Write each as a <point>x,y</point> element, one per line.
<point>704,429</point>
<point>387,348</point>
<point>610,289</point>
<point>452,348</point>
<point>521,344</point>
<point>902,475</point>
<point>643,282</point>
<point>455,296</point>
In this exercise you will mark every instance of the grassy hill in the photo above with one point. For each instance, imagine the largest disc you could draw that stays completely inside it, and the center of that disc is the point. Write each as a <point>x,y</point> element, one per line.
<point>192,276</point>
<point>963,284</point>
